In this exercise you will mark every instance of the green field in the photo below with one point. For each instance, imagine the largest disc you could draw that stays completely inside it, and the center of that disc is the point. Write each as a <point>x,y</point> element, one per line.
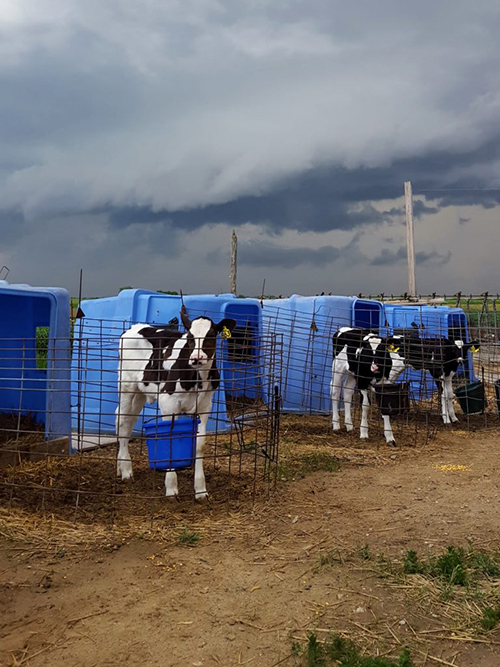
<point>479,314</point>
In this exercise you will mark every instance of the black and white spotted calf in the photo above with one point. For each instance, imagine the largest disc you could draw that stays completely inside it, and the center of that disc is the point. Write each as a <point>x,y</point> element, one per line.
<point>362,359</point>
<point>179,370</point>
<point>365,359</point>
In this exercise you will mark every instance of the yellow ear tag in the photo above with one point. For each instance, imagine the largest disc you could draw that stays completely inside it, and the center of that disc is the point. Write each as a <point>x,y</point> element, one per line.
<point>393,349</point>
<point>225,333</point>
<point>474,349</point>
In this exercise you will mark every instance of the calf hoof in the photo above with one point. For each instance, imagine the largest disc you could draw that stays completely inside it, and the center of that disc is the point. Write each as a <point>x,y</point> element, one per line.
<point>201,496</point>
<point>455,420</point>
<point>124,470</point>
<point>349,427</point>
<point>336,428</point>
<point>172,496</point>
<point>391,443</point>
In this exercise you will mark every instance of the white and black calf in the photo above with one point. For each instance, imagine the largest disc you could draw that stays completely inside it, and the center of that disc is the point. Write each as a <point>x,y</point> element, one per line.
<point>441,357</point>
<point>179,370</point>
<point>362,359</point>
<point>365,359</point>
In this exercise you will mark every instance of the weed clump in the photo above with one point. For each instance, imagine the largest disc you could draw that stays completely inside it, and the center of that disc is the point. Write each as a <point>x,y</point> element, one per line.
<point>455,567</point>
<point>412,564</point>
<point>189,538</point>
<point>490,618</point>
<point>306,464</point>
<point>341,652</point>
<point>365,552</point>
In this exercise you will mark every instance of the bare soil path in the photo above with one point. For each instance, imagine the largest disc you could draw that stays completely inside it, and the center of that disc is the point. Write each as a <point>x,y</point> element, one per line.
<point>254,580</point>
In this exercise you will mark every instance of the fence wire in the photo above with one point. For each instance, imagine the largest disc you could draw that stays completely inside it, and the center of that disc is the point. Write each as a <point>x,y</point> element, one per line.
<point>269,369</point>
<point>41,468</point>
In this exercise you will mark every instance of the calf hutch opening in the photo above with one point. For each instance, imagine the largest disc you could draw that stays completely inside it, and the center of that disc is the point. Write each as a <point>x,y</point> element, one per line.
<point>35,358</point>
<point>307,325</point>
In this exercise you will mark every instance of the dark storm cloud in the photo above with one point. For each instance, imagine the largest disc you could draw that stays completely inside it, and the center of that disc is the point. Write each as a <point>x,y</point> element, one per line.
<point>420,209</point>
<point>388,257</point>
<point>153,124</point>
<point>265,254</point>
<point>326,199</point>
<point>433,256</point>
<point>11,226</point>
<point>304,206</point>
<point>257,254</point>
<point>288,115</point>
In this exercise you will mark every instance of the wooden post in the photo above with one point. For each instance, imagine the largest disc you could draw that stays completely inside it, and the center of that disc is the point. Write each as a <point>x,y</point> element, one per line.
<point>410,247</point>
<point>234,261</point>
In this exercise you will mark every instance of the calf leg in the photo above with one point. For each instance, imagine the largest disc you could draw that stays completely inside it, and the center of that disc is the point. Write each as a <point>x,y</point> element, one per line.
<point>448,394</point>
<point>389,435</point>
<point>171,487</point>
<point>444,401</point>
<point>131,404</point>
<point>335,388</point>
<point>365,405</point>
<point>200,489</point>
<point>349,386</point>
<point>168,409</point>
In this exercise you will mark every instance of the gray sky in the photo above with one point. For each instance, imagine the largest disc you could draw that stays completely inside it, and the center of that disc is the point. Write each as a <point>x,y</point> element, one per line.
<point>135,135</point>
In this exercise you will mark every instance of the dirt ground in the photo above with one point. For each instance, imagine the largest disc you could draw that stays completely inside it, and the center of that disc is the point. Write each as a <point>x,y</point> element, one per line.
<point>260,577</point>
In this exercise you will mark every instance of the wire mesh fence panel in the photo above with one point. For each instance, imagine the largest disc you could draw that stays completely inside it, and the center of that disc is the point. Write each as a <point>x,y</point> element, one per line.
<point>61,399</point>
<point>442,375</point>
<point>198,403</point>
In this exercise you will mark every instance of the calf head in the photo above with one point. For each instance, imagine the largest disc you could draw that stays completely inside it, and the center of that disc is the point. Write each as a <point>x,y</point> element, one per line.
<point>202,335</point>
<point>372,357</point>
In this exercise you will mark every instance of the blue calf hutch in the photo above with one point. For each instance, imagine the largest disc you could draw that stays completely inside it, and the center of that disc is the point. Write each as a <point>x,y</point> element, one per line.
<point>35,356</point>
<point>95,352</point>
<point>307,325</point>
<point>431,321</point>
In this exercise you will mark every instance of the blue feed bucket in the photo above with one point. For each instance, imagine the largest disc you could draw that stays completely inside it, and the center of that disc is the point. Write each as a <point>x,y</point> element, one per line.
<point>172,444</point>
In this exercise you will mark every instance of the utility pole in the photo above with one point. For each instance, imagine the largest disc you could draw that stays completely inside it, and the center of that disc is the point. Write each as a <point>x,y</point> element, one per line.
<point>234,262</point>
<point>410,246</point>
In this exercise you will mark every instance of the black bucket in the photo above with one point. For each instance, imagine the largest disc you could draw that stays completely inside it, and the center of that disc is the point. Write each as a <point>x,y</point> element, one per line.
<point>497,394</point>
<point>393,399</point>
<point>472,398</point>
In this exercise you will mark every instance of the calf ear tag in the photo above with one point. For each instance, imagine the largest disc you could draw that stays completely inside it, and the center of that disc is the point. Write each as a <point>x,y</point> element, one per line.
<point>225,333</point>
<point>474,349</point>
<point>392,348</point>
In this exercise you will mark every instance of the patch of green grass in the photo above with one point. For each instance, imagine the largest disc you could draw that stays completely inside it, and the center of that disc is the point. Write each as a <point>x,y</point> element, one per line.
<point>412,564</point>
<point>42,347</point>
<point>315,652</point>
<point>341,652</point>
<point>458,574</point>
<point>365,552</point>
<point>329,559</point>
<point>451,567</point>
<point>236,447</point>
<point>385,562</point>
<point>308,463</point>
<point>485,563</point>
<point>319,461</point>
<point>490,618</point>
<point>455,567</point>
<point>189,538</point>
